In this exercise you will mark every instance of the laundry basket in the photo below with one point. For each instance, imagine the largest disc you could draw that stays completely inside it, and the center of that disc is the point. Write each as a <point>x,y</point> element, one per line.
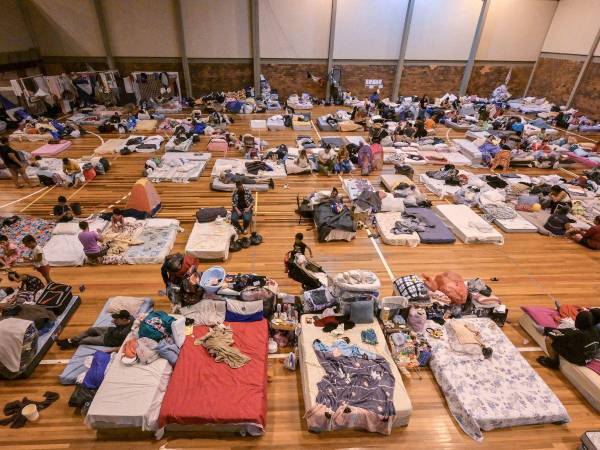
<point>216,272</point>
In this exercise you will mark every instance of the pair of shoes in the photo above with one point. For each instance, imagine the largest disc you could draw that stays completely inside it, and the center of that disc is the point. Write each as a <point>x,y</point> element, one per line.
<point>65,344</point>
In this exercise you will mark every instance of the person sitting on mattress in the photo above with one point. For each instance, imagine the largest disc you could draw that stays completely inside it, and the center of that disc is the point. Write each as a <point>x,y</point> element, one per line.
<point>62,211</point>
<point>10,253</point>
<point>557,196</point>
<point>91,241</point>
<point>302,160</point>
<point>72,171</point>
<point>117,221</point>
<point>343,163</point>
<point>420,129</point>
<point>577,345</point>
<point>13,163</point>
<point>589,238</point>
<point>175,267</point>
<point>242,204</point>
<point>113,336</point>
<point>325,160</point>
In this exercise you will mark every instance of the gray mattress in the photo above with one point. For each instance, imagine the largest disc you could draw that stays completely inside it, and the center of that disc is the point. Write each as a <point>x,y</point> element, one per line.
<point>439,234</point>
<point>324,125</point>
<point>218,185</point>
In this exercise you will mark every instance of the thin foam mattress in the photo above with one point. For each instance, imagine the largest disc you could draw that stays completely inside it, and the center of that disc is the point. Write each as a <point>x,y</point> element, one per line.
<point>385,222</point>
<point>210,240</point>
<point>468,225</point>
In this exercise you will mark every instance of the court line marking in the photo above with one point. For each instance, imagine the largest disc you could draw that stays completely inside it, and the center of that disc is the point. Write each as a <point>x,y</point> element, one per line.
<point>38,198</point>
<point>23,198</point>
<point>383,260</point>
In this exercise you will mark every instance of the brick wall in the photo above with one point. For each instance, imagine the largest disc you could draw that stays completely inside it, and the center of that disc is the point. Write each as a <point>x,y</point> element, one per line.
<point>292,79</point>
<point>587,98</point>
<point>57,67</point>
<point>486,78</point>
<point>209,77</point>
<point>354,76</point>
<point>433,80</point>
<point>554,78</point>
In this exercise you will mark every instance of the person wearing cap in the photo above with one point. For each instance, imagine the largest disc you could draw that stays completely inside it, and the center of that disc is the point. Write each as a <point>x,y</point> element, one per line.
<point>105,336</point>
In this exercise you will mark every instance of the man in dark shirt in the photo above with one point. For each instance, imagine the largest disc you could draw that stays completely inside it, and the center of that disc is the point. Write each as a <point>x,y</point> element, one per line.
<point>62,211</point>
<point>104,336</point>
<point>242,203</point>
<point>13,163</point>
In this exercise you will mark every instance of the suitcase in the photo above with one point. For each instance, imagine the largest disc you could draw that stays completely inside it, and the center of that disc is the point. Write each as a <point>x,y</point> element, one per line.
<point>55,297</point>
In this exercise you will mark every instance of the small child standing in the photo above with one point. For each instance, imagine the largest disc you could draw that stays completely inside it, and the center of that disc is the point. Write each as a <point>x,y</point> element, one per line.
<point>300,246</point>
<point>37,257</point>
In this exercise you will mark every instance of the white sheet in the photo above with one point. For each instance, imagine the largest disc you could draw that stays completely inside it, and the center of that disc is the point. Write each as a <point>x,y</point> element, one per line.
<point>110,146</point>
<point>210,240</point>
<point>385,222</point>
<point>469,149</point>
<point>468,225</point>
<point>130,396</point>
<point>239,166</point>
<point>438,187</point>
<point>312,372</point>
<point>516,225</point>
<point>64,250</point>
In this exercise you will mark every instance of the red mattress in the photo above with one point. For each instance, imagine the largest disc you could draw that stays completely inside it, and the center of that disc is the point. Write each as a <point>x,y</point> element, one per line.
<point>202,391</point>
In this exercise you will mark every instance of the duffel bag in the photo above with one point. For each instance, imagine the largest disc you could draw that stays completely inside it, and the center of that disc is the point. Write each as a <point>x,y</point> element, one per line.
<point>55,297</point>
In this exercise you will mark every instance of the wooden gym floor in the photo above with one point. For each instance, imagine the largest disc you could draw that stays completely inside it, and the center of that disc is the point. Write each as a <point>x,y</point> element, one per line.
<point>531,270</point>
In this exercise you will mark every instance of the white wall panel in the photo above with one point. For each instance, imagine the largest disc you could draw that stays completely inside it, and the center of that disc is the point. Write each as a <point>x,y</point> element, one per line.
<point>515,29</point>
<point>142,27</point>
<point>442,30</point>
<point>66,27</point>
<point>217,29</point>
<point>574,27</point>
<point>13,33</point>
<point>294,29</point>
<point>369,29</point>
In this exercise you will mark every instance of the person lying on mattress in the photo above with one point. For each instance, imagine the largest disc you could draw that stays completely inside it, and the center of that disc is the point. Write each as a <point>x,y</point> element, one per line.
<point>577,345</point>
<point>111,337</point>
<point>589,238</point>
<point>228,177</point>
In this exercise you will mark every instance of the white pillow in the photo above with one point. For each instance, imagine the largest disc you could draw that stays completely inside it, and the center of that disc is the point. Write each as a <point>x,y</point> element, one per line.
<point>161,223</point>
<point>66,228</point>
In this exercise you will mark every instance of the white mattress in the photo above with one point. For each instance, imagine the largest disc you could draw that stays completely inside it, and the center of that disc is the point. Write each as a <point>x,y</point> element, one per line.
<point>64,250</point>
<point>185,146</point>
<point>301,125</point>
<point>457,158</point>
<point>469,149</point>
<point>385,222</point>
<point>475,135</point>
<point>517,224</point>
<point>390,180</point>
<point>179,170</point>
<point>153,250</point>
<point>110,146</point>
<point>357,140</point>
<point>210,241</point>
<point>130,396</point>
<point>438,187</point>
<point>239,166</point>
<point>312,372</point>
<point>258,124</point>
<point>585,380</point>
<point>276,123</point>
<point>468,225</point>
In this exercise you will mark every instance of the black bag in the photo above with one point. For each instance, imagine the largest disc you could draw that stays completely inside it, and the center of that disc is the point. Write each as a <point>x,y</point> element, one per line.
<point>287,121</point>
<point>55,297</point>
<point>105,163</point>
<point>46,181</point>
<point>204,215</point>
<point>81,396</point>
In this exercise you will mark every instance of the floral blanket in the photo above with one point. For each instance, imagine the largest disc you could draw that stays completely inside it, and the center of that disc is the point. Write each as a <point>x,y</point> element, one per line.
<point>498,392</point>
<point>40,229</point>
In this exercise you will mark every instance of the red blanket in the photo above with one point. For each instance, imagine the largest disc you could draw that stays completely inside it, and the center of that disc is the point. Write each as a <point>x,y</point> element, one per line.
<point>202,391</point>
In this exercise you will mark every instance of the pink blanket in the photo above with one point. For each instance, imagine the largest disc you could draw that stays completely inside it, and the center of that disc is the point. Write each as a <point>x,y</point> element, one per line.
<point>583,160</point>
<point>52,149</point>
<point>542,315</point>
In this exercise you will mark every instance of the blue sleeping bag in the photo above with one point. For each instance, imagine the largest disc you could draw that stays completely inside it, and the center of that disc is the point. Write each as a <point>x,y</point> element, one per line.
<point>95,375</point>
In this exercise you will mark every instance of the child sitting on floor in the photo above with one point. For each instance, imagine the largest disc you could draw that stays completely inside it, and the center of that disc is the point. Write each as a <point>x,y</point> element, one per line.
<point>10,253</point>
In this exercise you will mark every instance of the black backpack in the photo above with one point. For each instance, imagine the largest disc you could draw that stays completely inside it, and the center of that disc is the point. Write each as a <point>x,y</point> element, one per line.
<point>46,181</point>
<point>105,163</point>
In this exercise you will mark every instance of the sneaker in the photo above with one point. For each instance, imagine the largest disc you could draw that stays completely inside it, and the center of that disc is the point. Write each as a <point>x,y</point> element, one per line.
<point>548,362</point>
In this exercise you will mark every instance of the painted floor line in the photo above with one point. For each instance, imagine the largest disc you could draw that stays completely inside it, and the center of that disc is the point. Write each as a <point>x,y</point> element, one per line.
<point>23,198</point>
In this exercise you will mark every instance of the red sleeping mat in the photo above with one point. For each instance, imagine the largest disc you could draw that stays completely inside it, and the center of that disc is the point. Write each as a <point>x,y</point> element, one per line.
<point>202,391</point>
